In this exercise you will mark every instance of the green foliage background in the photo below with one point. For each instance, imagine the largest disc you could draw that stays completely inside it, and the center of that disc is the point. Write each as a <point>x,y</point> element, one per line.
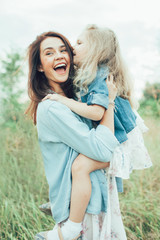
<point>150,103</point>
<point>23,185</point>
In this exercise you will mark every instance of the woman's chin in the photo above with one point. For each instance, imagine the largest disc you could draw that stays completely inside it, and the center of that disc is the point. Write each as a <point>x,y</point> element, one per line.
<point>62,77</point>
<point>58,80</point>
<point>58,77</point>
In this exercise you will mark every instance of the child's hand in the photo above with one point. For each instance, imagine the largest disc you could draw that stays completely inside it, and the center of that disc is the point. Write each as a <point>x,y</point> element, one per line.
<point>54,97</point>
<point>111,88</point>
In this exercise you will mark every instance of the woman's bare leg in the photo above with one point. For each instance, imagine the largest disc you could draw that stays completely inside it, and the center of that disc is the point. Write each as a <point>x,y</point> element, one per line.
<point>81,185</point>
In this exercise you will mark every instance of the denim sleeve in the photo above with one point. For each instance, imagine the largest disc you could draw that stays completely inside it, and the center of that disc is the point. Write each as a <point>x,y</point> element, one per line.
<point>97,144</point>
<point>98,92</point>
<point>98,99</point>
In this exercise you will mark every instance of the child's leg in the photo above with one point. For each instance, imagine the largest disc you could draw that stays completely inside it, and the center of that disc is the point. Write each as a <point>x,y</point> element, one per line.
<point>81,193</point>
<point>81,185</point>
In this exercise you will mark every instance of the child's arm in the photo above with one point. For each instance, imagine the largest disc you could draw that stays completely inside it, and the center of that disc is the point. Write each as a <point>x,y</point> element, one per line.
<point>93,112</point>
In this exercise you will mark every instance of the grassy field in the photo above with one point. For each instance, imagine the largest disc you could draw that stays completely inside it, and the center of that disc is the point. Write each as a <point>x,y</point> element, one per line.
<point>23,187</point>
<point>140,200</point>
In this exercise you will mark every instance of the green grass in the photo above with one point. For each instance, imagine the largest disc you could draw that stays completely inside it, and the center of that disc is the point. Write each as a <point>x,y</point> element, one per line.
<point>23,187</point>
<point>22,183</point>
<point>140,200</point>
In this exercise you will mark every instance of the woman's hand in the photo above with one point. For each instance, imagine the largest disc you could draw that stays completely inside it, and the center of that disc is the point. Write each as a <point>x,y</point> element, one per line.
<point>108,117</point>
<point>111,88</point>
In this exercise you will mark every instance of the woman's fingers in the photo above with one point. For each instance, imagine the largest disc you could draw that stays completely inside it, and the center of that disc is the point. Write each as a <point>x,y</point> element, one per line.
<point>111,78</point>
<point>112,89</point>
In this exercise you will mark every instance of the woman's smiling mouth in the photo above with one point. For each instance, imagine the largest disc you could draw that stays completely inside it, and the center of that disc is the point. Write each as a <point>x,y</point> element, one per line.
<point>60,68</point>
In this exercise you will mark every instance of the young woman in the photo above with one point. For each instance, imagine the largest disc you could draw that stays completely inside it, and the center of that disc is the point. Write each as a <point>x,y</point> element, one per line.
<point>63,134</point>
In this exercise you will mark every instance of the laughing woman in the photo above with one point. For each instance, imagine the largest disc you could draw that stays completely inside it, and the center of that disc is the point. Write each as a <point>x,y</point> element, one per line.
<point>63,134</point>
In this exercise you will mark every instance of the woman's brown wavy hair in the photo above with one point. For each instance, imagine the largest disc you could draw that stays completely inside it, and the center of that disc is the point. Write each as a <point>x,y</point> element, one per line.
<point>38,85</point>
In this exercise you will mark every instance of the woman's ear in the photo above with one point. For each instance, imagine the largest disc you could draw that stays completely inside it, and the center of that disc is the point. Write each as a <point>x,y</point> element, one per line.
<point>40,68</point>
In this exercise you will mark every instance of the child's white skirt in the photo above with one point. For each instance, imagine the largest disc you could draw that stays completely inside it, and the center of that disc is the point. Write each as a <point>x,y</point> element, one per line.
<point>131,154</point>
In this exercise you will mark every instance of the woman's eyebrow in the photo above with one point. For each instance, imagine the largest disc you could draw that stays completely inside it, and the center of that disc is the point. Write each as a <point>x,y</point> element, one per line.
<point>62,46</point>
<point>47,48</point>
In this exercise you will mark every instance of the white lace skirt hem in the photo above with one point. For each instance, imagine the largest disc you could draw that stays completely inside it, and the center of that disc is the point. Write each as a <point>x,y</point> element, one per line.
<point>131,154</point>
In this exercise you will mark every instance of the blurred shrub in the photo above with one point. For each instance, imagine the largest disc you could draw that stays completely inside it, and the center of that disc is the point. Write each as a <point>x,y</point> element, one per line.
<point>10,74</point>
<point>152,91</point>
<point>150,103</point>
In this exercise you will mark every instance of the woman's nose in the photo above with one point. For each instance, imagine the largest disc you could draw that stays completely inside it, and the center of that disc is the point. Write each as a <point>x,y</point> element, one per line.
<point>58,55</point>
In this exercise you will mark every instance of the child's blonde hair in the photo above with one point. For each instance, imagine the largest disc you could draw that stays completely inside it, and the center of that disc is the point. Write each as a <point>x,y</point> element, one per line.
<point>103,49</point>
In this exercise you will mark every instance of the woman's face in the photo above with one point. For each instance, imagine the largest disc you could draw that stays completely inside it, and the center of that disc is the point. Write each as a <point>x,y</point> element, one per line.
<point>55,61</point>
<point>80,49</point>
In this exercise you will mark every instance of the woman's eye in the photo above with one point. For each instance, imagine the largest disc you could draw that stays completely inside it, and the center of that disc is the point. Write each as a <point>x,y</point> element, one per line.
<point>63,50</point>
<point>49,53</point>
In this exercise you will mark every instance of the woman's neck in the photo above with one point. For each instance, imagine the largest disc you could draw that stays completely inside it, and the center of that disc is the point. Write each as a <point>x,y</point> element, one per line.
<point>57,88</point>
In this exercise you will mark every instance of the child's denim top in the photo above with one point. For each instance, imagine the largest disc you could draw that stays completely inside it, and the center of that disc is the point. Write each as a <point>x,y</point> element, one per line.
<point>124,117</point>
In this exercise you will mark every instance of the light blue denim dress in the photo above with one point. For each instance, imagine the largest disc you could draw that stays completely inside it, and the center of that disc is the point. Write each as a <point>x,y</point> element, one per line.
<point>62,135</point>
<point>124,117</point>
